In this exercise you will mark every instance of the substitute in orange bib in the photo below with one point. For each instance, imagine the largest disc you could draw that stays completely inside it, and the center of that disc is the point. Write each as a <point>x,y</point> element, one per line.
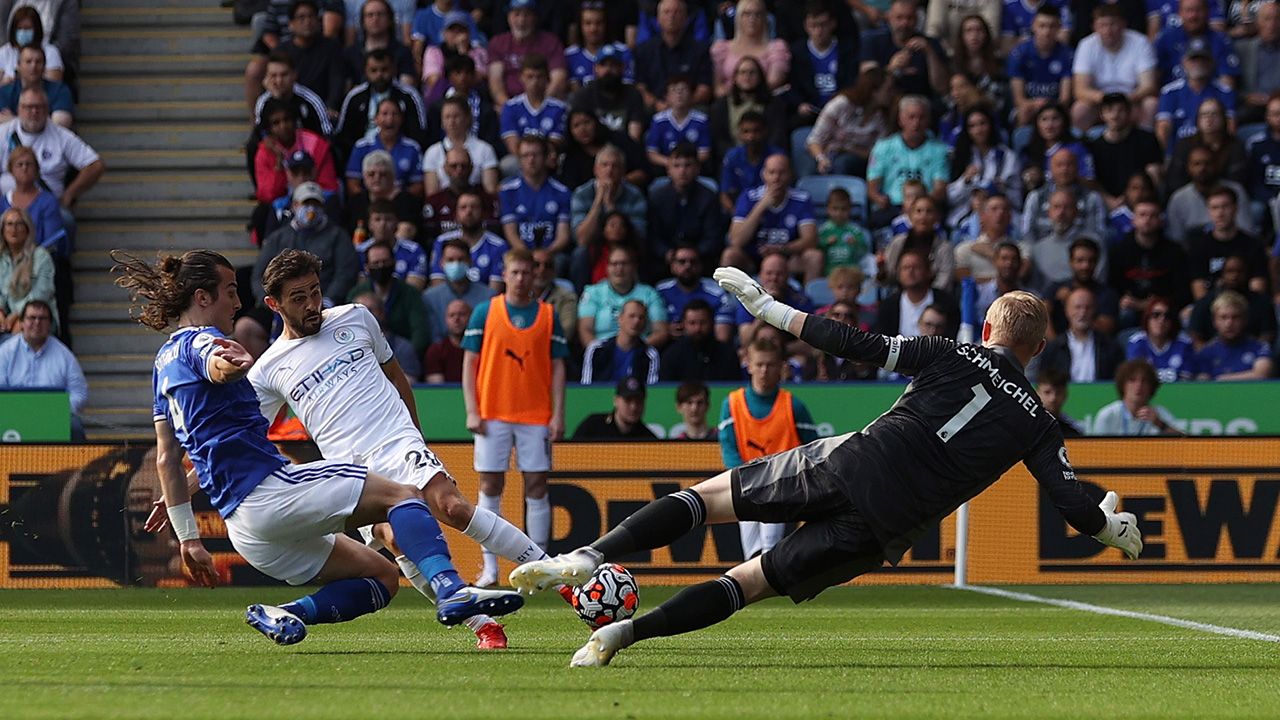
<point>762,419</point>
<point>513,385</point>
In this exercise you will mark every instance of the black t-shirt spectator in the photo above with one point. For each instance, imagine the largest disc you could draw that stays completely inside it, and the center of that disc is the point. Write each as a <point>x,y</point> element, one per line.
<point>614,112</point>
<point>694,218</point>
<point>1115,163</point>
<point>408,209</point>
<point>577,167</point>
<point>1208,254</point>
<point>321,68</point>
<point>655,62</point>
<point>401,55</point>
<point>915,79</point>
<point>1141,272</point>
<point>708,360</point>
<point>601,427</point>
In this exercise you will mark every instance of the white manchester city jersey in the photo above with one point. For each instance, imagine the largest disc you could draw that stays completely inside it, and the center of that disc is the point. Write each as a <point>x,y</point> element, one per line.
<point>334,382</point>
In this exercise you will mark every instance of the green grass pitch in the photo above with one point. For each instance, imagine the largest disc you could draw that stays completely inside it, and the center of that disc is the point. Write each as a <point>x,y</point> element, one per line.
<point>855,652</point>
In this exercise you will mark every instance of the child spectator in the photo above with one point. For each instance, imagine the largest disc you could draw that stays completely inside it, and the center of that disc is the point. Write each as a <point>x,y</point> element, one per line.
<point>678,123</point>
<point>841,242</point>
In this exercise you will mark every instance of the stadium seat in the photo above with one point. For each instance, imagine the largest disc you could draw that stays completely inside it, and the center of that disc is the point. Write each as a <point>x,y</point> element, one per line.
<point>820,186</point>
<point>819,292</point>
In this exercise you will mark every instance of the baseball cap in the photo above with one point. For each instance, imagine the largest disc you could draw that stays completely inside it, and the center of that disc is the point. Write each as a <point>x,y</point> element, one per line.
<point>456,17</point>
<point>308,191</point>
<point>523,5</point>
<point>609,53</point>
<point>1197,49</point>
<point>630,388</point>
<point>299,159</point>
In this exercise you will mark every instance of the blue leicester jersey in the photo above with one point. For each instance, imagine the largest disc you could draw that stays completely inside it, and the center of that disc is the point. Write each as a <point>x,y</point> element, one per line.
<point>779,225</point>
<point>677,298</point>
<point>406,154</point>
<point>582,63</point>
<point>1167,10</point>
<point>1017,16</point>
<point>1179,103</point>
<point>1172,45</point>
<point>520,118</point>
<point>1175,361</point>
<point>1219,358</point>
<point>535,211</point>
<point>666,132</point>
<point>486,257</point>
<point>825,67</point>
<point>220,426</point>
<point>1043,76</point>
<point>739,173</point>
<point>411,259</point>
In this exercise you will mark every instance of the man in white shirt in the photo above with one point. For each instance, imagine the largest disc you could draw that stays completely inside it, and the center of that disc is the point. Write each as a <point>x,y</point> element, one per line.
<point>1083,353</point>
<point>35,359</point>
<point>58,148</point>
<point>1113,59</point>
<point>336,371</point>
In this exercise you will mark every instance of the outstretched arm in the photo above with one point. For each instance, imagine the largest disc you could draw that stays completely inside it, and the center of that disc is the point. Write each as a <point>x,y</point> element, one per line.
<point>1049,464</point>
<point>173,480</point>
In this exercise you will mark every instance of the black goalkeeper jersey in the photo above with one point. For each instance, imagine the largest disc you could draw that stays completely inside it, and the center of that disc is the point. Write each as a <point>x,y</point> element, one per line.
<point>968,415</point>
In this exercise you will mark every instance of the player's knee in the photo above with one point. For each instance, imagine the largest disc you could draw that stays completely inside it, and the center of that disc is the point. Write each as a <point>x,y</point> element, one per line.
<point>389,576</point>
<point>535,485</point>
<point>451,509</point>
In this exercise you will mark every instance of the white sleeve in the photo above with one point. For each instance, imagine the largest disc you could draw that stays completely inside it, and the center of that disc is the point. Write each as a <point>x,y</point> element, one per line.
<point>1084,61</point>
<point>485,157</point>
<point>78,153</point>
<point>269,402</point>
<point>433,159</point>
<point>52,58</point>
<point>381,348</point>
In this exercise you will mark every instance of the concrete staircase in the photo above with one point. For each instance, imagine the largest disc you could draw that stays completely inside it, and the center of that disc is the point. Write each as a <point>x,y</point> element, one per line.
<point>160,100</point>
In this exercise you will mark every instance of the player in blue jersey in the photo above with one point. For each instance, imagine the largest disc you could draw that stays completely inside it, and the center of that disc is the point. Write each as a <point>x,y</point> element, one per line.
<point>1180,100</point>
<point>286,520</point>
<point>1040,67</point>
<point>535,206</point>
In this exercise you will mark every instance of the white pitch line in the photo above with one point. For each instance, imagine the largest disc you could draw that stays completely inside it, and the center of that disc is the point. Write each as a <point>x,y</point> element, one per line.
<point>1132,614</point>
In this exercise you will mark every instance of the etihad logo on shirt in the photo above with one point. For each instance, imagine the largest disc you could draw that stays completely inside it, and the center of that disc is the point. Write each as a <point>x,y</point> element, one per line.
<point>333,372</point>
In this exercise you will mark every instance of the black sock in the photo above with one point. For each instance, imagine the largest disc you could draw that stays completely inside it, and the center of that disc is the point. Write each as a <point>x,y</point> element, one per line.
<point>693,608</point>
<point>655,525</point>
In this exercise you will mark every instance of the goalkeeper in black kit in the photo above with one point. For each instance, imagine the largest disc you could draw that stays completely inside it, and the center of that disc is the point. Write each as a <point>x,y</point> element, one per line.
<point>968,415</point>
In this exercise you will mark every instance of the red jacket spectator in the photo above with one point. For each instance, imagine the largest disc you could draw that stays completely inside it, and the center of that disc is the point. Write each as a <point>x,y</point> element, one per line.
<point>268,167</point>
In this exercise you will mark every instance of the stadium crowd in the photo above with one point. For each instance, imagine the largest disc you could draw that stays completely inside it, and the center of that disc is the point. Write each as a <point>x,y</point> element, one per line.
<point>862,157</point>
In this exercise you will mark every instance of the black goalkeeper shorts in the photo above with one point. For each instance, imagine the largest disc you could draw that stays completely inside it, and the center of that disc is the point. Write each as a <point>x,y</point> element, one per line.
<point>834,545</point>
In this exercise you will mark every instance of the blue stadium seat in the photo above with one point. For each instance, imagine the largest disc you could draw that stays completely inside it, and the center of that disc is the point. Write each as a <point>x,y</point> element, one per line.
<point>819,292</point>
<point>819,186</point>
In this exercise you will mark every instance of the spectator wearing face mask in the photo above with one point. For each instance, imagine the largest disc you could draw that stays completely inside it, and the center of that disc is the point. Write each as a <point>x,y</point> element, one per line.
<point>454,258</point>
<point>401,302</point>
<point>310,230</point>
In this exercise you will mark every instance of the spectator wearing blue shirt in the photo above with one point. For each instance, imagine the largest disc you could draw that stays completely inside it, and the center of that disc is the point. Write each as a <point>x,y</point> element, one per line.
<point>608,360</point>
<point>1162,343</point>
<point>385,227</point>
<point>774,278</point>
<point>1233,355</point>
<point>581,59</point>
<point>679,123</point>
<point>675,48</point>
<point>30,73</point>
<point>820,66</point>
<point>687,284</point>
<point>1165,14</point>
<point>1264,157</point>
<point>1018,19</point>
<point>406,154</point>
<point>532,112</point>
<point>34,358</point>
<point>429,24</point>
<point>535,207</point>
<point>742,165</point>
<point>772,216</point>
<point>486,249</point>
<point>1173,43</point>
<point>1180,100</point>
<point>1039,67</point>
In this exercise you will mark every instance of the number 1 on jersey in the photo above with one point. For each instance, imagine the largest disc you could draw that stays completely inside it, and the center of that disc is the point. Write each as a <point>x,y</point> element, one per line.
<point>980,399</point>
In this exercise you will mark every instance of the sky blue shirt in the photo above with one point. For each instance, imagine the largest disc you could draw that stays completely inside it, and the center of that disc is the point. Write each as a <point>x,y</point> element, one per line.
<point>893,163</point>
<point>52,366</point>
<point>535,211</point>
<point>220,426</point>
<point>519,118</point>
<point>602,304</point>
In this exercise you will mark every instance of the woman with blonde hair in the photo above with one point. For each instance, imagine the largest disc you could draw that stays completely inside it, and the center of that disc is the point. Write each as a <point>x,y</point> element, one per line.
<point>26,269</point>
<point>750,39</point>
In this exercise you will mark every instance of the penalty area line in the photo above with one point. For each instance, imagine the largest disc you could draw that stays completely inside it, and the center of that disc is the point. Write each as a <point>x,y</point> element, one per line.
<point>1117,612</point>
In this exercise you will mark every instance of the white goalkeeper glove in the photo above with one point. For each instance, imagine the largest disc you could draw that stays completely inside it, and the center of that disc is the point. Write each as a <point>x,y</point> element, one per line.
<point>1121,530</point>
<point>754,298</point>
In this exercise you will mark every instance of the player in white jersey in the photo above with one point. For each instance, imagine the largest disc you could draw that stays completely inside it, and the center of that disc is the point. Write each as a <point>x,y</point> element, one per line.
<point>336,371</point>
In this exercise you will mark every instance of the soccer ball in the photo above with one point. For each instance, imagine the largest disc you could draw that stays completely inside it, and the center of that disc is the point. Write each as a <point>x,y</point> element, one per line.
<point>609,595</point>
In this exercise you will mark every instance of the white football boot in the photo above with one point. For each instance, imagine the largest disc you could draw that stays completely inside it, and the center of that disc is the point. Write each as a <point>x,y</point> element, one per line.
<point>568,569</point>
<point>603,645</point>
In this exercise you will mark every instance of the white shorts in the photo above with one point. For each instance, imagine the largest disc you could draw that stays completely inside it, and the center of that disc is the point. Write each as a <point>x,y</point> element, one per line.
<point>407,463</point>
<point>286,527</point>
<point>532,444</point>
